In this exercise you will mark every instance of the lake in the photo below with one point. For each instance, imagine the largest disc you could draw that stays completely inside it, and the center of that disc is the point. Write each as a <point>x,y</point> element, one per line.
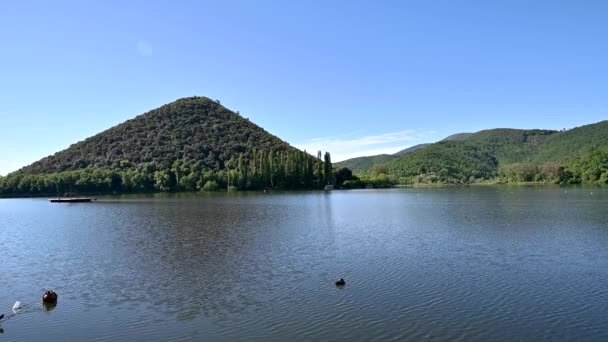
<point>482,263</point>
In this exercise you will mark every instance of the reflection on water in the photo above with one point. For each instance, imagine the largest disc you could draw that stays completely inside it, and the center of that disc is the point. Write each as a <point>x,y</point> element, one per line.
<point>479,263</point>
<point>48,306</point>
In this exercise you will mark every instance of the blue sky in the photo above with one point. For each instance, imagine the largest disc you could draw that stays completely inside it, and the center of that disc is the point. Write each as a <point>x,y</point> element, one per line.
<point>352,77</point>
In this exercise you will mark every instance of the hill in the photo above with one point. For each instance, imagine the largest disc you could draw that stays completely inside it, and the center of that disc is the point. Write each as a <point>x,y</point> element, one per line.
<point>458,136</point>
<point>194,129</point>
<point>573,143</point>
<point>364,164</point>
<point>446,162</point>
<point>506,154</point>
<point>509,145</point>
<point>191,144</point>
<point>410,150</point>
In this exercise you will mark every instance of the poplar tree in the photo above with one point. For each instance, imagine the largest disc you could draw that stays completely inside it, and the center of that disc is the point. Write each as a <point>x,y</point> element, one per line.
<point>327,169</point>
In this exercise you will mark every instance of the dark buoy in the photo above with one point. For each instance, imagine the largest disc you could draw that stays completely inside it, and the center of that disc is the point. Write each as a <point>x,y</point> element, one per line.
<point>49,297</point>
<point>340,282</point>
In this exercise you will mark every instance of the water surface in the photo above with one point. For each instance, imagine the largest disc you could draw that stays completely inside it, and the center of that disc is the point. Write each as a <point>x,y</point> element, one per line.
<point>469,264</point>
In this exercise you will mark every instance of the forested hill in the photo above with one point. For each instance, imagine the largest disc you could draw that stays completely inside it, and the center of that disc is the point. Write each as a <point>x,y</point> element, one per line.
<point>508,155</point>
<point>189,145</point>
<point>365,164</point>
<point>194,129</point>
<point>477,156</point>
<point>410,149</point>
<point>458,136</point>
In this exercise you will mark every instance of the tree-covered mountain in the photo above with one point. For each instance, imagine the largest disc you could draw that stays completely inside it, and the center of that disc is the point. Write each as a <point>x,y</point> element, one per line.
<point>364,164</point>
<point>573,143</point>
<point>445,161</point>
<point>194,129</point>
<point>458,136</point>
<point>508,145</point>
<point>191,144</point>
<point>502,154</point>
<point>410,149</point>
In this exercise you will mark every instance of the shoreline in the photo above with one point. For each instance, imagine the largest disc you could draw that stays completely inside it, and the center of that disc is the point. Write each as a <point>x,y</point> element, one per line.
<point>397,186</point>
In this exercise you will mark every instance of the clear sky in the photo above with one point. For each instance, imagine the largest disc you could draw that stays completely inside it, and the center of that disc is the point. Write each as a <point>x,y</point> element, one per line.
<point>352,77</point>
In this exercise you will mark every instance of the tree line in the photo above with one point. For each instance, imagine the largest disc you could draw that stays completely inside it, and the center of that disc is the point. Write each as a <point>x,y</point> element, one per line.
<point>591,167</point>
<point>256,170</point>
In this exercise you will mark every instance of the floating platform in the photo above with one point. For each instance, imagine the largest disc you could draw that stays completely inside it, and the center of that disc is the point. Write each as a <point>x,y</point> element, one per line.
<point>71,199</point>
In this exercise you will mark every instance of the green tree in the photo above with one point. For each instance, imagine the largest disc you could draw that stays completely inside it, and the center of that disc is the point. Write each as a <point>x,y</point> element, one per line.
<point>328,174</point>
<point>162,181</point>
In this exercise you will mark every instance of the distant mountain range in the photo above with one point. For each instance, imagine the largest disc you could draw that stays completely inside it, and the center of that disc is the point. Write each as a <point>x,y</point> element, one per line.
<point>364,164</point>
<point>480,155</point>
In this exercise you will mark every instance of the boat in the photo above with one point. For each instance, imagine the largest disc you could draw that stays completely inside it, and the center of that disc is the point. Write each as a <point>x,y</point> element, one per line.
<point>329,187</point>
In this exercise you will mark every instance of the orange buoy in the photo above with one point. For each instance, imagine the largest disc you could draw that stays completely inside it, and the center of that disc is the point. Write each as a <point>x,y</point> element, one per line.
<point>49,297</point>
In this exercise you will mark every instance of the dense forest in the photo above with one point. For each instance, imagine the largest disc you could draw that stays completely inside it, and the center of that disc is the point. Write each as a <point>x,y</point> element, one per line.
<point>189,145</point>
<point>262,170</point>
<point>498,155</point>
<point>194,129</point>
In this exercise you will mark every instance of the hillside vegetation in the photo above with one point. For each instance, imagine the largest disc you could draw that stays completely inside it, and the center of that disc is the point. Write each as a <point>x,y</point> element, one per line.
<point>410,149</point>
<point>191,144</point>
<point>364,164</point>
<point>457,136</point>
<point>571,144</point>
<point>446,162</point>
<point>194,129</point>
<point>509,145</point>
<point>505,155</point>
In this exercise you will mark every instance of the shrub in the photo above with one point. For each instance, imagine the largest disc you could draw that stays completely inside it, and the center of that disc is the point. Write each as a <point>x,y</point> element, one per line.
<point>211,186</point>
